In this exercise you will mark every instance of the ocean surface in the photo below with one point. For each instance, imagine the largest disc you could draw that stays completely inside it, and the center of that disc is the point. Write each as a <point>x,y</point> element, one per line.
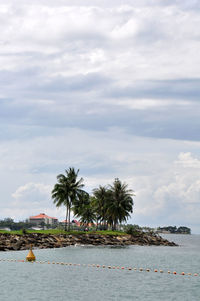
<point>50,282</point>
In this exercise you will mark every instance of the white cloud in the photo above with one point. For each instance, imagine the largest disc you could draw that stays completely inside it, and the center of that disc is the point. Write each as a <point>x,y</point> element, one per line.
<point>32,199</point>
<point>37,191</point>
<point>173,199</point>
<point>186,160</point>
<point>147,104</point>
<point>117,38</point>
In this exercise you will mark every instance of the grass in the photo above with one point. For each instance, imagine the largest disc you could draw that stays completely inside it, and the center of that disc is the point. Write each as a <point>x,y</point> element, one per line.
<point>109,232</point>
<point>58,231</point>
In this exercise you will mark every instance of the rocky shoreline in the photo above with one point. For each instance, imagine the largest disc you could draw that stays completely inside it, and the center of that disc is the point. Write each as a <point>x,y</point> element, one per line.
<point>11,242</point>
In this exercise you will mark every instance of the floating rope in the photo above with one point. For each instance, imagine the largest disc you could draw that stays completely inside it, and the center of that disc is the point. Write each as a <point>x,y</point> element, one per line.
<point>98,266</point>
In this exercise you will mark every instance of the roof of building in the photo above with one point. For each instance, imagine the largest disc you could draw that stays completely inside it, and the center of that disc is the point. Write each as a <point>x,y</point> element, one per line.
<point>73,221</point>
<point>76,222</point>
<point>65,221</point>
<point>41,215</point>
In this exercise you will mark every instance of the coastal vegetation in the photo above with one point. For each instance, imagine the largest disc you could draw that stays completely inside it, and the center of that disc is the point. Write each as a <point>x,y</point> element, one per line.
<point>60,231</point>
<point>108,206</point>
<point>175,230</point>
<point>106,210</point>
<point>68,192</point>
<point>9,223</point>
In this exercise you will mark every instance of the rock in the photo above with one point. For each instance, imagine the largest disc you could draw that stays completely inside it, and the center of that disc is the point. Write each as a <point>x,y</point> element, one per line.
<point>44,241</point>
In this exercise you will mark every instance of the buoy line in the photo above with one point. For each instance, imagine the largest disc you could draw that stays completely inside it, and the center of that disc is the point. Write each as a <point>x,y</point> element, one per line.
<point>98,266</point>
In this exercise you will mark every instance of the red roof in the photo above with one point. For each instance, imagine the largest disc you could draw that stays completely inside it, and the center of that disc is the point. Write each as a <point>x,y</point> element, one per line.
<point>76,222</point>
<point>73,221</point>
<point>41,215</point>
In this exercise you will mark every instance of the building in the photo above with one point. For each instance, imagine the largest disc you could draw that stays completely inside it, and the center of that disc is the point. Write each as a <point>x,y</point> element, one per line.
<point>42,218</point>
<point>72,223</point>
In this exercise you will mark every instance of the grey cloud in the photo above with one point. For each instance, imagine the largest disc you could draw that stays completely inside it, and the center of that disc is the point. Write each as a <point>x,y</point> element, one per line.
<point>76,83</point>
<point>186,88</point>
<point>83,102</point>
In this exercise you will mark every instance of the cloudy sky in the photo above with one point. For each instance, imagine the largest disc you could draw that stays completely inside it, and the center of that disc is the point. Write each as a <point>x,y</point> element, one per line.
<point>109,87</point>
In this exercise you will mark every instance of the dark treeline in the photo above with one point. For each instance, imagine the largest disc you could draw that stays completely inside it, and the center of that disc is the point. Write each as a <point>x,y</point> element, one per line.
<point>12,225</point>
<point>108,205</point>
<point>175,230</point>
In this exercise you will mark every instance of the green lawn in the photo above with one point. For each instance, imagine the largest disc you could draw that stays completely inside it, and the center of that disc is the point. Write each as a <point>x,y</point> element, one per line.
<point>108,232</point>
<point>58,231</point>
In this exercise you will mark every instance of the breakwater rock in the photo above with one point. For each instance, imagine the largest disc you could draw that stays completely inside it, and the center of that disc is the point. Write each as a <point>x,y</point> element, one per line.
<point>10,242</point>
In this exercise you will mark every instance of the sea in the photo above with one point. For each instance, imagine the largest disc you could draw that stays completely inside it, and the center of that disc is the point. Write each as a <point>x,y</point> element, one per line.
<point>91,273</point>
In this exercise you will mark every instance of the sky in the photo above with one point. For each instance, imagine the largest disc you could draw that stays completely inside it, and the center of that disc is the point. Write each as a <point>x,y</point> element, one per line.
<point>108,87</point>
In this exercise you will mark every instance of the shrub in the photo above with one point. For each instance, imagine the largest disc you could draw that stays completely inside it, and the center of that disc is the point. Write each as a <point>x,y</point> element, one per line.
<point>132,229</point>
<point>24,231</point>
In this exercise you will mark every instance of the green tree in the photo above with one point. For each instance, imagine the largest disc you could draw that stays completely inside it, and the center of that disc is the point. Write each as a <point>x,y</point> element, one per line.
<point>100,200</point>
<point>87,213</point>
<point>80,202</point>
<point>67,191</point>
<point>120,203</point>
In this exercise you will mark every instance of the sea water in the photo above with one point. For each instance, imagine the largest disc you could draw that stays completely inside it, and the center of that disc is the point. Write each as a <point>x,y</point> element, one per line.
<point>43,281</point>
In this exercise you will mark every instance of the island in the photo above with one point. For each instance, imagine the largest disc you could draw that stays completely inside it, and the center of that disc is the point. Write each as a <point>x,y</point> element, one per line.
<point>174,230</point>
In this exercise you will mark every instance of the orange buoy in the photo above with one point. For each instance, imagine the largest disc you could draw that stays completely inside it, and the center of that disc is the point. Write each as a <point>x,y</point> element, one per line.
<point>174,273</point>
<point>182,273</point>
<point>155,271</point>
<point>30,256</point>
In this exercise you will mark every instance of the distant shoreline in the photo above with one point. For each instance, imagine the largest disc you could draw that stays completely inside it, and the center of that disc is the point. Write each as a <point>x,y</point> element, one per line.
<point>15,242</point>
<point>159,233</point>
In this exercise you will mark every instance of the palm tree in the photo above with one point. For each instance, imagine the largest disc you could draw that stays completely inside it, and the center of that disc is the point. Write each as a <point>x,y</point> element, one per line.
<point>87,214</point>
<point>101,195</point>
<point>67,191</point>
<point>80,202</point>
<point>120,203</point>
<point>60,194</point>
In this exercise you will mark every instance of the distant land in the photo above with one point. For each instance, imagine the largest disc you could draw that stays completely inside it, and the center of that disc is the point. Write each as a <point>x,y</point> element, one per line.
<point>174,230</point>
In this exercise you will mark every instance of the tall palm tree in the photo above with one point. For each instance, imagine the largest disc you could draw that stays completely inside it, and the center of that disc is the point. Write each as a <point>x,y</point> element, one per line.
<point>67,191</point>
<point>60,194</point>
<point>120,203</point>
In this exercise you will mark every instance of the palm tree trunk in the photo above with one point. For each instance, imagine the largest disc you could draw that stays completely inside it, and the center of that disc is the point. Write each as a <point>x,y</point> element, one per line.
<point>107,225</point>
<point>114,226</point>
<point>69,219</point>
<point>67,209</point>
